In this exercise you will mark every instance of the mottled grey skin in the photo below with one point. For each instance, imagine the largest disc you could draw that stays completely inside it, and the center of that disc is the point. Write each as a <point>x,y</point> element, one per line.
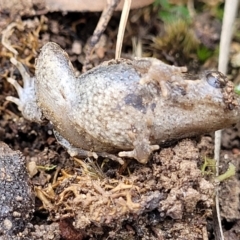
<point>130,107</point>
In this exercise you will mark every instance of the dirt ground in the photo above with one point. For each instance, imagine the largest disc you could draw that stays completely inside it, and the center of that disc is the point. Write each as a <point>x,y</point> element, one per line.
<point>170,197</point>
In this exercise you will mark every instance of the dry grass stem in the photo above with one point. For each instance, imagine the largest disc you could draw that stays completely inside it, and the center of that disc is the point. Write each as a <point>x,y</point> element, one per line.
<point>122,26</point>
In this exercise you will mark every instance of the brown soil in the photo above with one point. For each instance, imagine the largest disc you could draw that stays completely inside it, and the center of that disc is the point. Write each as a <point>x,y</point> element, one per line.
<point>169,198</point>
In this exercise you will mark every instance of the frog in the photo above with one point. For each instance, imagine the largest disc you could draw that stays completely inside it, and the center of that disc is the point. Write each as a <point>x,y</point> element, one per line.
<point>123,108</point>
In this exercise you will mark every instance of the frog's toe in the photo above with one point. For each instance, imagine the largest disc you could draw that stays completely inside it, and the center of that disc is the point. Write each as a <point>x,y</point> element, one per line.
<point>141,152</point>
<point>16,86</point>
<point>16,101</point>
<point>78,152</point>
<point>111,156</point>
<point>28,81</point>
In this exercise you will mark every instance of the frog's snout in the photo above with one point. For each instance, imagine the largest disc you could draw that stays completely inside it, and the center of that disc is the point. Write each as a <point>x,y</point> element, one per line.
<point>216,79</point>
<point>223,89</point>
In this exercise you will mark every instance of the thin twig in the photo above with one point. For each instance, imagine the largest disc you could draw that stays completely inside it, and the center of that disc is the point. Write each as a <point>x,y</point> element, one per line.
<point>122,26</point>
<point>230,11</point>
<point>100,28</point>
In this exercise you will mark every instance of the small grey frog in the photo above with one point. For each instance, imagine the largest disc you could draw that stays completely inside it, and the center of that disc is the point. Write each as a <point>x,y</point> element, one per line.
<point>123,108</point>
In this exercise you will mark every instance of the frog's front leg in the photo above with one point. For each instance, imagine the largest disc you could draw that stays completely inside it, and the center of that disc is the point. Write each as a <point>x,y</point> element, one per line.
<point>27,101</point>
<point>156,71</point>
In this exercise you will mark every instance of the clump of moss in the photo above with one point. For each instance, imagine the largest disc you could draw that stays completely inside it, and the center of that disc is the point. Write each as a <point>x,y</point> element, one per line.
<point>178,41</point>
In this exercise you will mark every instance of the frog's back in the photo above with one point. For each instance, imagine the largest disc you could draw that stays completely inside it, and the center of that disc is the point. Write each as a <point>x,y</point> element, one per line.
<point>112,102</point>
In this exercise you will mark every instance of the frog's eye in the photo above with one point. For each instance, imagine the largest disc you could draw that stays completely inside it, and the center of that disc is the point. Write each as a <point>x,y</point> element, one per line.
<point>216,79</point>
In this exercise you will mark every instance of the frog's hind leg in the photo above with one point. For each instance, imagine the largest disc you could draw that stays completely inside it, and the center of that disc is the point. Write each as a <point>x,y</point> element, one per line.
<point>73,151</point>
<point>78,152</point>
<point>27,101</point>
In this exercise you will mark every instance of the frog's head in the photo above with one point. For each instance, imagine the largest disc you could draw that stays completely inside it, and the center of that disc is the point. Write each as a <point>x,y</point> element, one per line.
<point>215,99</point>
<point>200,104</point>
